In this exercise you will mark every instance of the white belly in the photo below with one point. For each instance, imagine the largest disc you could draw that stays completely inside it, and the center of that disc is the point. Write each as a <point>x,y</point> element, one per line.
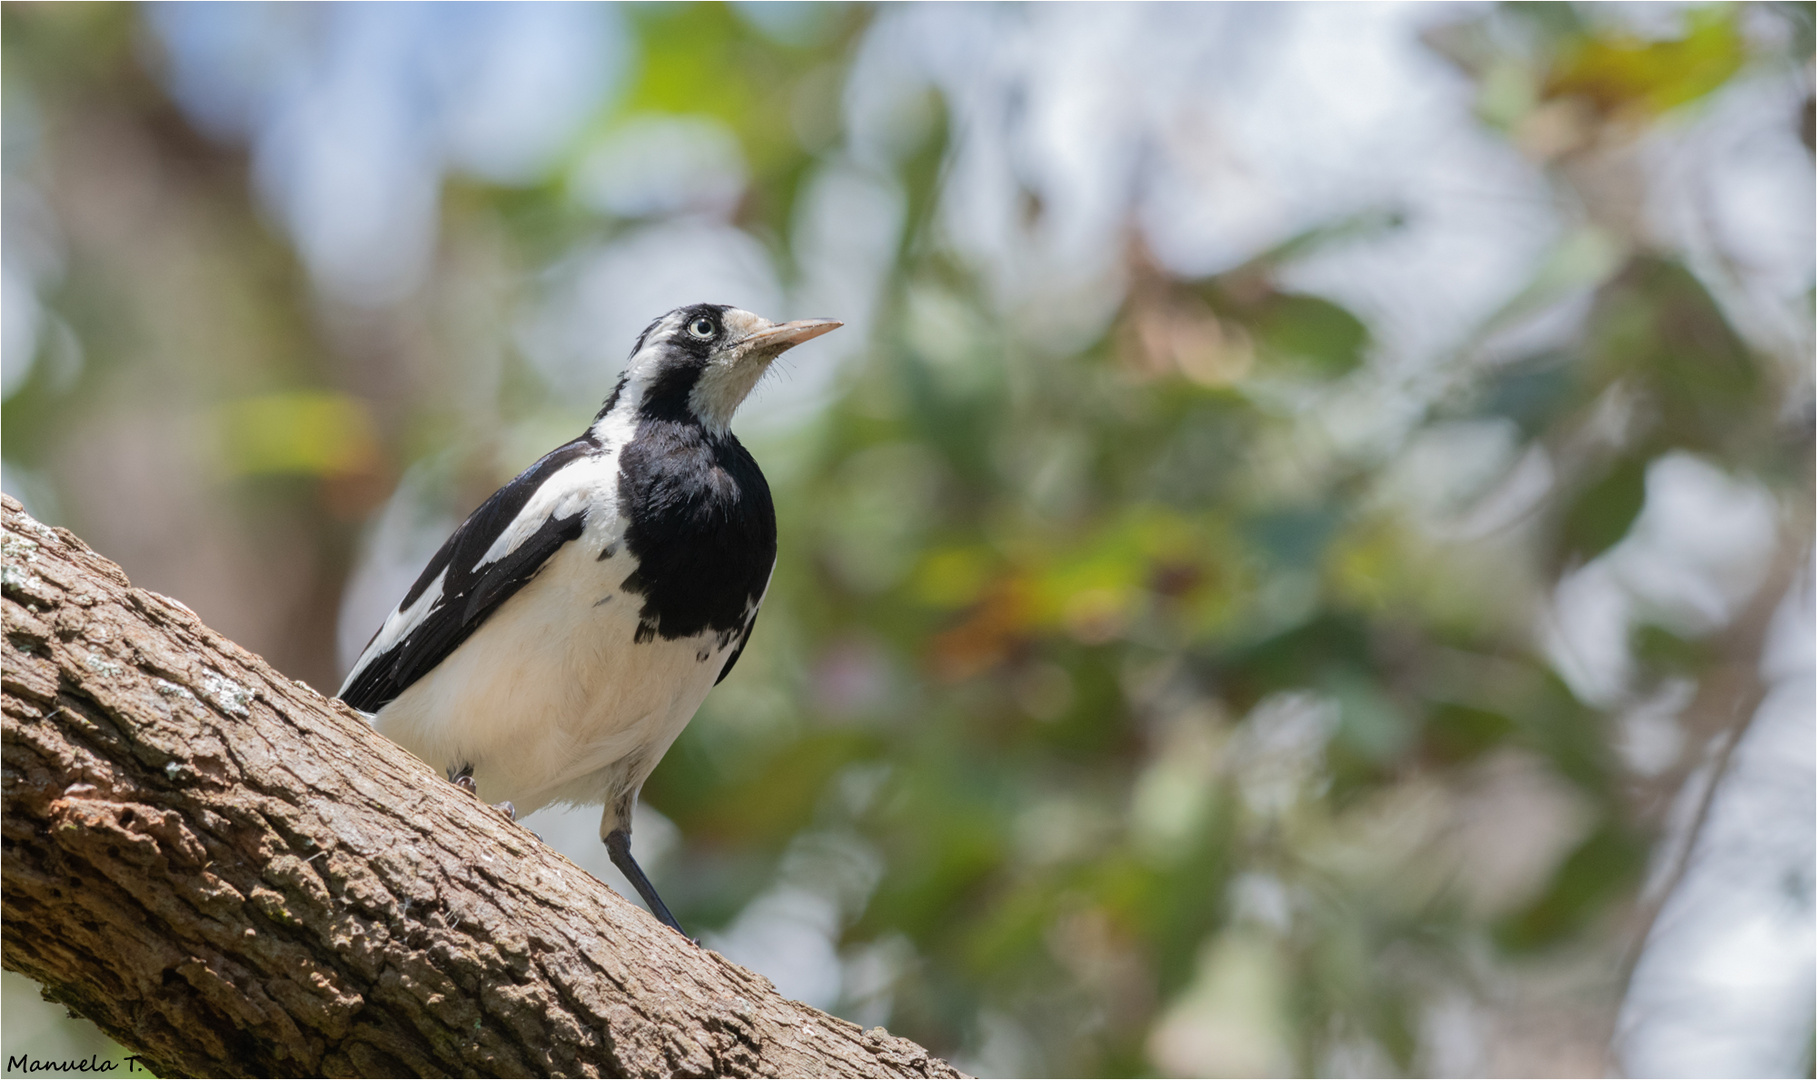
<point>552,699</point>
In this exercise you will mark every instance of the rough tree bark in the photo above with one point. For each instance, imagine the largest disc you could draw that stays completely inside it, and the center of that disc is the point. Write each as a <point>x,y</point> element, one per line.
<point>234,875</point>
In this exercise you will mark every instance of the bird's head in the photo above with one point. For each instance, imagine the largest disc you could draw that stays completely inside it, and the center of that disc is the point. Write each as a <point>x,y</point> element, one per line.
<point>700,361</point>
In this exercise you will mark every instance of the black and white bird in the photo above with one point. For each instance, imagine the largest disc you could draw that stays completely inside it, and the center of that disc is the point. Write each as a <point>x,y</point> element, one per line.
<point>557,644</point>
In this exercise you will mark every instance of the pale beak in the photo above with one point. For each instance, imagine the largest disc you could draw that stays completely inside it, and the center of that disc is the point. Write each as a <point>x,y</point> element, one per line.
<point>774,339</point>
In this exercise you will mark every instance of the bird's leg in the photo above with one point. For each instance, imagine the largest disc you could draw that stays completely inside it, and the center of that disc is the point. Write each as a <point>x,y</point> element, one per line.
<point>618,845</point>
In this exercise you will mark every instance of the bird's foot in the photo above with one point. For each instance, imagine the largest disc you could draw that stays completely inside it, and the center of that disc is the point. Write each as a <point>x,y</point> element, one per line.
<point>463,779</point>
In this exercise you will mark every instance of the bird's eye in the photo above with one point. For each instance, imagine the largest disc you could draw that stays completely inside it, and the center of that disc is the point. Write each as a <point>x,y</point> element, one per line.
<point>701,327</point>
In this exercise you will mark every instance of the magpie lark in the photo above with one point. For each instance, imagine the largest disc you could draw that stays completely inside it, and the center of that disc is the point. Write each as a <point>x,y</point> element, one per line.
<point>560,640</point>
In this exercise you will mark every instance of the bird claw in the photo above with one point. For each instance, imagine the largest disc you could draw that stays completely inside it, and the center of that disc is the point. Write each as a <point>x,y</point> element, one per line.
<point>464,781</point>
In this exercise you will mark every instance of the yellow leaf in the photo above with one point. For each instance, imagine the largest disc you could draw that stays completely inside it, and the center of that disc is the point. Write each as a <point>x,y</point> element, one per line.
<point>304,432</point>
<point>1623,75</point>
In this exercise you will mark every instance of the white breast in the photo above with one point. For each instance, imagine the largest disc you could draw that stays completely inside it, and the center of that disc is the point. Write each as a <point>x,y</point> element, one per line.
<point>552,698</point>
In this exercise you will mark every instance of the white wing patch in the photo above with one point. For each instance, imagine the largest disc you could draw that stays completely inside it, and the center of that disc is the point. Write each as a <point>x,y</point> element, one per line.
<point>398,626</point>
<point>588,485</point>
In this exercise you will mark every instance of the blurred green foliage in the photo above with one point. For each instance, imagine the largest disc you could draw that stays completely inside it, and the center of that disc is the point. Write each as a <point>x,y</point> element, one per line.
<point>1615,72</point>
<point>1161,712</point>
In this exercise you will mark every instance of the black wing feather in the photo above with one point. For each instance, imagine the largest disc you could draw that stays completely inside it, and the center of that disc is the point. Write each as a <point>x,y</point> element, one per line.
<point>470,592</point>
<point>744,636</point>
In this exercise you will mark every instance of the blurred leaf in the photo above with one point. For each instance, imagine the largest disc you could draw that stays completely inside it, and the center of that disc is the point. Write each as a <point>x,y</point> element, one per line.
<point>302,432</point>
<point>768,803</point>
<point>952,577</point>
<point>1600,515</point>
<point>1297,330</point>
<point>1295,659</point>
<point>1559,21</point>
<point>1657,326</point>
<point>1367,224</point>
<point>921,173</point>
<point>1570,733</point>
<point>1532,393</point>
<point>1619,73</point>
<point>1509,89</point>
<point>709,59</point>
<point>1455,733</point>
<point>1185,904</point>
<point>1801,17</point>
<point>1370,724</point>
<point>66,45</point>
<point>1295,538</point>
<point>954,839</point>
<point>1659,652</point>
<point>697,58</point>
<point>1310,330</point>
<point>1584,258</point>
<point>1603,868</point>
<point>1000,624</point>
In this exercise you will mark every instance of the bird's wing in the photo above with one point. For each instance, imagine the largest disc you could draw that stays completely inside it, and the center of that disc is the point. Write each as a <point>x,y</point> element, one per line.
<point>744,632</point>
<point>494,553</point>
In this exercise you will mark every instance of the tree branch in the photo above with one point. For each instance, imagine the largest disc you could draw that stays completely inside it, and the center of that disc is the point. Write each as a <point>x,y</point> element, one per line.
<point>234,875</point>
